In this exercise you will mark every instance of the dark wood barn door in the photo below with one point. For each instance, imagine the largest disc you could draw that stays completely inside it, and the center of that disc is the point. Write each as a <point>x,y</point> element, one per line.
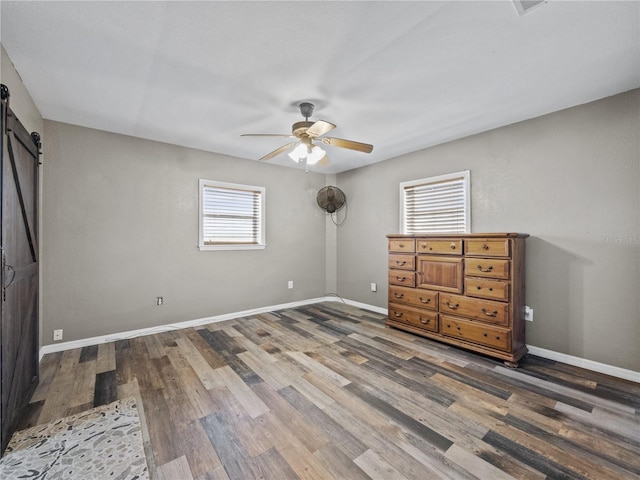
<point>19,295</point>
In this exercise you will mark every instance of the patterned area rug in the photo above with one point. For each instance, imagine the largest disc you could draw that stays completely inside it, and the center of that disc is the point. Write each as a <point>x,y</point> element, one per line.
<point>105,442</point>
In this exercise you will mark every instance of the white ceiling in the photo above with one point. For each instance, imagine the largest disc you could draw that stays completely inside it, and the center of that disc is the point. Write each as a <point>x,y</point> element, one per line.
<point>400,75</point>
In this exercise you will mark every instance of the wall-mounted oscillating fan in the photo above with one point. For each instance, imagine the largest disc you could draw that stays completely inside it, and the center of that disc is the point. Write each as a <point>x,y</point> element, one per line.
<point>331,199</point>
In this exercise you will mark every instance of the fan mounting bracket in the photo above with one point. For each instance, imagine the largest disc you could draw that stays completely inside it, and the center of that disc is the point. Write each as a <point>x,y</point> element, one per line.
<point>306,109</point>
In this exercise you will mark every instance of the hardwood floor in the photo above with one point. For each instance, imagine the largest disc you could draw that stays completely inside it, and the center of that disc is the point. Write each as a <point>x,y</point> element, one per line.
<point>326,391</point>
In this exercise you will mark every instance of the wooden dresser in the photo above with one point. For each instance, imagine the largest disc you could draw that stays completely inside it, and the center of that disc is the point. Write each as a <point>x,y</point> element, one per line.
<point>465,290</point>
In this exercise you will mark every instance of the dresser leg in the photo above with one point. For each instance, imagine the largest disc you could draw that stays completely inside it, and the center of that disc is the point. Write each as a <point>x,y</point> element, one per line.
<point>511,364</point>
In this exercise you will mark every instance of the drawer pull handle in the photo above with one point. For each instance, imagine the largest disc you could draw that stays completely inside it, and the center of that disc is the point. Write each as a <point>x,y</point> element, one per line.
<point>398,295</point>
<point>426,322</point>
<point>397,315</point>
<point>485,246</point>
<point>401,279</point>
<point>401,245</point>
<point>426,302</point>
<point>458,328</point>
<point>398,262</point>
<point>497,337</point>
<point>490,288</point>
<point>484,334</point>
<point>448,325</point>
<point>488,269</point>
<point>452,307</point>
<point>453,246</point>
<point>490,314</point>
<point>423,245</point>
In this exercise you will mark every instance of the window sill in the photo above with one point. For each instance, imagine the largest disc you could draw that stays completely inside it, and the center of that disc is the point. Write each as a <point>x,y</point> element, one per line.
<point>204,248</point>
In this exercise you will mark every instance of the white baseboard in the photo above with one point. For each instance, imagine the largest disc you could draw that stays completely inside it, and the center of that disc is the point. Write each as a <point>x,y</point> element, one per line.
<point>86,342</point>
<point>112,337</point>
<point>541,352</point>
<point>585,363</point>
<point>366,306</point>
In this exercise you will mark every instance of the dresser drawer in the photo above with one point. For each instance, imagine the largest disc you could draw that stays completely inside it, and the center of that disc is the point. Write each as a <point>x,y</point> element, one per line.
<point>402,261</point>
<point>402,277</point>
<point>404,245</point>
<point>494,337</point>
<point>487,267</point>
<point>444,247</point>
<point>420,298</point>
<point>414,316</point>
<point>487,248</point>
<point>486,288</point>
<point>484,310</point>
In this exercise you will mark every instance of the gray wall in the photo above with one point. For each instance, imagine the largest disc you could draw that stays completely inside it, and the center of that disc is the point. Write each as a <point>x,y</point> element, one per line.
<point>20,101</point>
<point>571,180</point>
<point>121,228</point>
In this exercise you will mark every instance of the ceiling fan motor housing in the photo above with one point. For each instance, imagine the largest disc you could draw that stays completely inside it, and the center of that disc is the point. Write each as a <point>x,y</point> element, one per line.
<point>300,128</point>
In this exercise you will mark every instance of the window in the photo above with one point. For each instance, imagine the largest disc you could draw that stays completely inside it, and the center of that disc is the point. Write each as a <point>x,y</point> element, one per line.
<point>231,216</point>
<point>436,205</point>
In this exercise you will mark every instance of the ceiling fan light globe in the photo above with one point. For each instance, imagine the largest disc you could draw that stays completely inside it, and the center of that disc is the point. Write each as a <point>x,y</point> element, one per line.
<point>298,153</point>
<point>315,155</point>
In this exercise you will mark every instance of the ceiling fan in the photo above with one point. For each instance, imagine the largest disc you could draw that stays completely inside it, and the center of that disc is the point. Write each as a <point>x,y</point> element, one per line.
<point>304,149</point>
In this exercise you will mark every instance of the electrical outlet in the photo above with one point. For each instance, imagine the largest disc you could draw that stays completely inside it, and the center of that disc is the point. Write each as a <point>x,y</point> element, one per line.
<point>290,285</point>
<point>57,335</point>
<point>159,300</point>
<point>374,287</point>
<point>528,313</point>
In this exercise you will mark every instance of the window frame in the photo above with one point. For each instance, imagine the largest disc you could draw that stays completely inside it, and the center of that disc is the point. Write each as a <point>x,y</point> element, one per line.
<point>464,175</point>
<point>261,244</point>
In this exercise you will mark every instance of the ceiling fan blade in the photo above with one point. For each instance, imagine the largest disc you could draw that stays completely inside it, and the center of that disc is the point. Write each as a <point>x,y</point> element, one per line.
<point>277,152</point>
<point>324,161</point>
<point>340,142</point>
<point>320,127</point>
<point>281,135</point>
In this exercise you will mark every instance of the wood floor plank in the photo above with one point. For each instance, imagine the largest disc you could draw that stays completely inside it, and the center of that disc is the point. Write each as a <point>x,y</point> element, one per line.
<point>383,435</point>
<point>177,469</point>
<point>272,376</point>
<point>588,398</point>
<point>310,436</point>
<point>106,388</point>
<point>200,366</point>
<point>338,464</point>
<point>376,468</point>
<point>271,464</point>
<point>84,383</point>
<point>234,458</point>
<point>253,405</point>
<point>48,370</point>
<point>106,359</point>
<point>347,443</point>
<point>200,402</point>
<point>154,346</point>
<point>319,369</point>
<point>88,353</point>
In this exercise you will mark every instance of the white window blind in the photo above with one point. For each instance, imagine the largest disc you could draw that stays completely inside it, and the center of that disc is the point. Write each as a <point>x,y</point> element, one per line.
<point>436,205</point>
<point>231,216</point>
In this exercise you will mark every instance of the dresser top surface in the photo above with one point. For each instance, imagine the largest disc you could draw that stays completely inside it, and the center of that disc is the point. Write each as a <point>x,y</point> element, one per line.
<point>459,235</point>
